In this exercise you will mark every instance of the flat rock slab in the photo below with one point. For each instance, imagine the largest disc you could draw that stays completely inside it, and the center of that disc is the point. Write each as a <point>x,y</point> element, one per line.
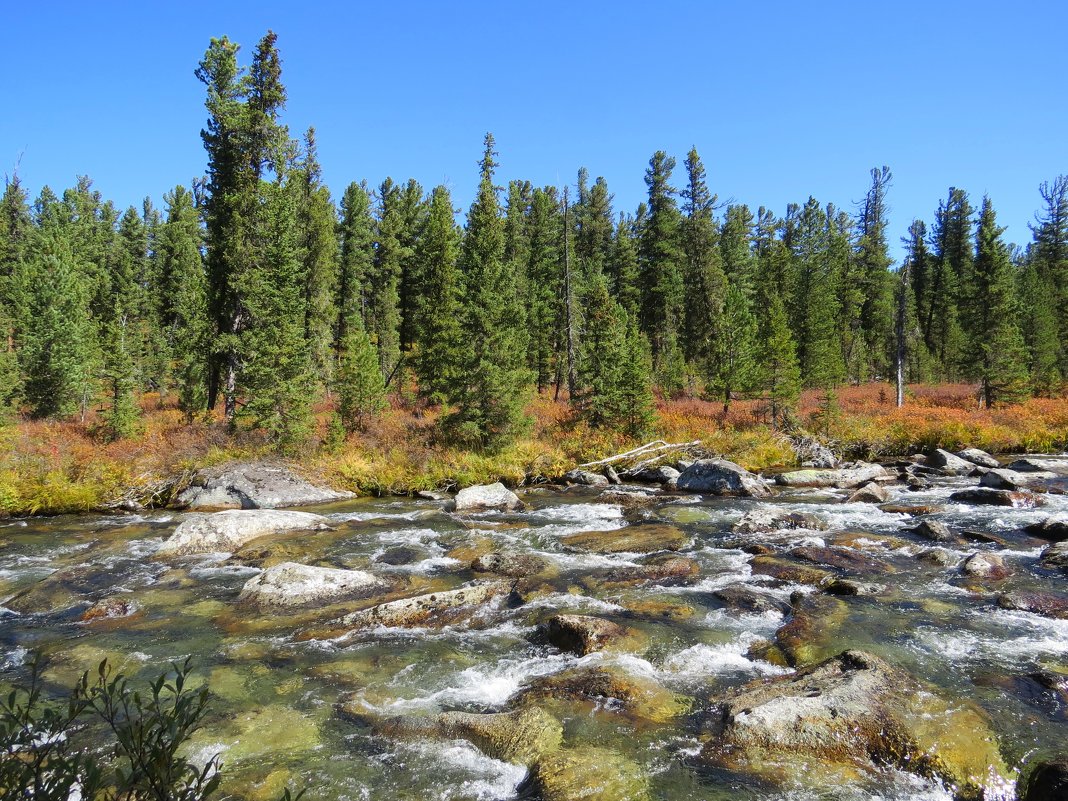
<point>846,477</point>
<point>721,477</point>
<point>641,538</point>
<point>764,521</point>
<point>1047,604</point>
<point>254,485</point>
<point>228,531</point>
<point>484,497</point>
<point>1015,499</point>
<point>424,609</point>
<point>978,457</point>
<point>293,585</point>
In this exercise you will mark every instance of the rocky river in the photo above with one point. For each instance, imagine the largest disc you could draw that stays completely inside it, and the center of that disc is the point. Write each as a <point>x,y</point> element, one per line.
<point>895,633</point>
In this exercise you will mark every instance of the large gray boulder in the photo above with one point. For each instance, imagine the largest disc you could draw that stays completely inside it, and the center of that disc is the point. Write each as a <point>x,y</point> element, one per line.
<point>483,497</point>
<point>854,712</point>
<point>948,463</point>
<point>721,477</point>
<point>229,530</point>
<point>586,478</point>
<point>810,452</point>
<point>765,521</point>
<point>986,496</point>
<point>292,585</point>
<point>978,457</point>
<point>848,477</point>
<point>253,485</point>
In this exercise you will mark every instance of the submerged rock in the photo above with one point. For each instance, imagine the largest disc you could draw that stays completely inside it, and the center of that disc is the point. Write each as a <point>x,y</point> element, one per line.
<point>292,585</point>
<point>721,477</point>
<point>584,634</point>
<point>978,457</point>
<point>1048,781</point>
<point>228,531</point>
<point>847,477</point>
<point>641,538</point>
<point>850,714</point>
<point>997,497</point>
<point>1047,604</point>
<point>842,586</point>
<point>764,521</point>
<point>807,636</point>
<point>634,695</point>
<point>588,774</point>
<point>786,570</point>
<point>949,464</point>
<point>483,497</point>
<point>436,608</point>
<point>114,606</point>
<point>521,737</point>
<point>253,485</point>
<point>1053,528</point>
<point>744,599</point>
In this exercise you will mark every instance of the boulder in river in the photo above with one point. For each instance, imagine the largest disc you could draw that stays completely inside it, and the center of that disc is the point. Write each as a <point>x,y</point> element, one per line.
<point>1002,478</point>
<point>589,774</point>
<point>847,476</point>
<point>1017,499</point>
<point>640,538</point>
<point>948,463</point>
<point>1047,604</point>
<point>985,566</point>
<point>253,485</point>
<point>1028,465</point>
<point>721,477</point>
<point>659,474</point>
<point>870,493</point>
<point>978,457</point>
<point>293,585</point>
<point>585,634</point>
<point>483,497</point>
<point>1047,781</point>
<point>114,606</point>
<point>435,608</point>
<point>1056,555</point>
<point>636,695</point>
<point>765,521</point>
<point>935,531</point>
<point>746,600</point>
<point>513,564</point>
<point>586,478</point>
<point>228,531</point>
<point>1054,529</point>
<point>850,713</point>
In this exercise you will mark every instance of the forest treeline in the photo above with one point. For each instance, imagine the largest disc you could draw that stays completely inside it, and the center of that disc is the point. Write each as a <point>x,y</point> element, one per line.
<point>253,289</point>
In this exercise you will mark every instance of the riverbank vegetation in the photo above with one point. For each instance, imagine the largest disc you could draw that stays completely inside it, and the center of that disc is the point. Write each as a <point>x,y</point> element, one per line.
<point>378,341</point>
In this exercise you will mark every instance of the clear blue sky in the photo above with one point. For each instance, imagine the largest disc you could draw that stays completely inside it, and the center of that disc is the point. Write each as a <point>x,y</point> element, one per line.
<point>782,99</point>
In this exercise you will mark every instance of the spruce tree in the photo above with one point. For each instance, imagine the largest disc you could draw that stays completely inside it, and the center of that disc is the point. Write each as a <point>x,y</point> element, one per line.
<point>390,255</point>
<point>873,322</point>
<point>917,365</point>
<point>440,355</point>
<point>487,397</point>
<point>950,304</point>
<point>544,300</point>
<point>624,283</point>
<point>413,207</point>
<point>636,403</point>
<point>594,229</point>
<point>778,377</point>
<point>1000,350</point>
<point>1050,259</point>
<point>603,359</point>
<point>360,387</point>
<point>732,367</point>
<point>356,234</point>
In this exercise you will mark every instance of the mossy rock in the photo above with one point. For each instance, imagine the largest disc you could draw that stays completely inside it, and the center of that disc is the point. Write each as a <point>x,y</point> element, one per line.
<point>638,697</point>
<point>810,635</point>
<point>589,774</point>
<point>522,736</point>
<point>786,570</point>
<point>266,732</point>
<point>642,538</point>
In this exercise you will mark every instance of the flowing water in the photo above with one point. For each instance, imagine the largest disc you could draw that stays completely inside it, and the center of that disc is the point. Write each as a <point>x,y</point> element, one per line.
<point>273,718</point>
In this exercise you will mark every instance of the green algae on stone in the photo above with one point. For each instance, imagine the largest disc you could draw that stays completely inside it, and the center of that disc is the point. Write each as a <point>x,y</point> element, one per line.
<point>589,774</point>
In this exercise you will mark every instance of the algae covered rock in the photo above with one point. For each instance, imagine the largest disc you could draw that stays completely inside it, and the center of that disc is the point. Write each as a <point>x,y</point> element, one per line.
<point>848,715</point>
<point>435,608</point>
<point>521,736</point>
<point>764,521</point>
<point>639,697</point>
<point>293,585</point>
<point>641,538</point>
<point>589,774</point>
<point>585,634</point>
<point>228,531</point>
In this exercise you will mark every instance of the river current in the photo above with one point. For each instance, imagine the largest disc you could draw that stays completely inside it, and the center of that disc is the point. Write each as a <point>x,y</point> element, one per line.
<point>273,718</point>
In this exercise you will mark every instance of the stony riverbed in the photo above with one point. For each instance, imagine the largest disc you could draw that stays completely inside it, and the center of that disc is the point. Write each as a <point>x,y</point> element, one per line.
<point>614,627</point>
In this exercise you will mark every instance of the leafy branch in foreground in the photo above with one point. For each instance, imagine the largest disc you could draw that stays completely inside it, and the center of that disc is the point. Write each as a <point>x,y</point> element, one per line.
<point>46,752</point>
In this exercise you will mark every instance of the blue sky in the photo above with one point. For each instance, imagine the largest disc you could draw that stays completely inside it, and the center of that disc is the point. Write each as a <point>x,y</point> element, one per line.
<point>781,99</point>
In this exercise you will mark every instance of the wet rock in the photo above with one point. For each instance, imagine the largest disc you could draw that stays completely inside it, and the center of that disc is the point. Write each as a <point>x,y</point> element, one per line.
<point>228,531</point>
<point>949,464</point>
<point>1047,781</point>
<point>521,737</point>
<point>792,572</point>
<point>985,566</point>
<point>657,608</point>
<point>917,484</point>
<point>939,557</point>
<point>1056,555</point>
<point>292,585</point>
<point>55,593</point>
<point>512,564</point>
<point>1054,529</point>
<point>584,634</point>
<point>402,555</point>
<point>589,774</point>
<point>431,495</point>
<point>746,600</point>
<point>848,476</point>
<point>637,696</point>
<point>114,607</point>
<point>721,477</point>
<point>810,452</point>
<point>253,485</point>
<point>807,637</point>
<point>1009,479</point>
<point>665,568</point>
<point>978,457</point>
<point>642,538</point>
<point>436,608</point>
<point>845,559</point>
<point>488,496</point>
<point>630,497</point>
<point>764,521</point>
<point>1026,465</point>
<point>586,478</point>
<point>995,497</point>
<point>870,493</point>
<point>1047,604</point>
<point>662,474</point>
<point>913,510</point>
<point>935,531</point>
<point>850,714</point>
<point>851,587</point>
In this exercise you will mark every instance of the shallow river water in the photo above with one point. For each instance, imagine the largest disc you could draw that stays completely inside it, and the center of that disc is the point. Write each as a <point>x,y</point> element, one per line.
<point>273,714</point>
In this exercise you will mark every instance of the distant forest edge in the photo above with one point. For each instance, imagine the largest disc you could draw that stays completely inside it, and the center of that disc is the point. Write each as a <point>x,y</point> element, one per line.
<point>252,293</point>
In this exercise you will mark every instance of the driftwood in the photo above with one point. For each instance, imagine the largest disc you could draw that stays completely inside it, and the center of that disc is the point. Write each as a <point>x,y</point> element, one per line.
<point>649,453</point>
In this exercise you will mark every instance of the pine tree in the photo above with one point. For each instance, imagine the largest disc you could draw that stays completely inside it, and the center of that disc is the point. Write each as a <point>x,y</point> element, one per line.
<point>488,396</point>
<point>356,235</point>
<point>603,359</point>
<point>732,365</point>
<point>624,267</point>
<point>413,209</point>
<point>545,328</point>
<point>1050,258</point>
<point>917,365</point>
<point>947,287</point>
<point>390,255</point>
<point>1039,325</point>
<point>1000,351</point>
<point>360,386</point>
<point>816,305</point>
<point>873,323</point>
<point>636,393</point>
<point>439,357</point>
<point>778,376</point>
<point>593,228</point>
<point>737,249</point>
